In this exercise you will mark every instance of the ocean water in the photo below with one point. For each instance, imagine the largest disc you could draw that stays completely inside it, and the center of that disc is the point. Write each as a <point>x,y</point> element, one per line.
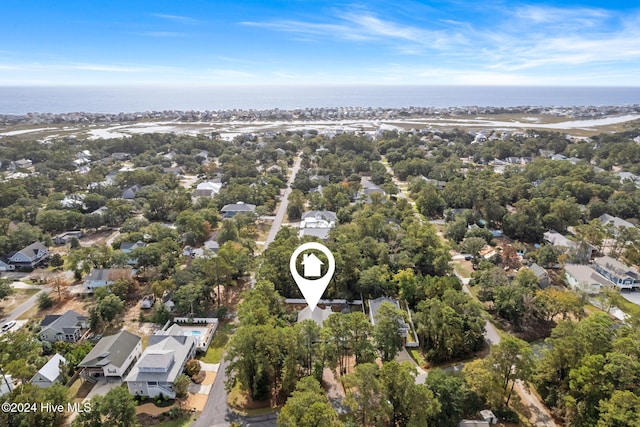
<point>22,100</point>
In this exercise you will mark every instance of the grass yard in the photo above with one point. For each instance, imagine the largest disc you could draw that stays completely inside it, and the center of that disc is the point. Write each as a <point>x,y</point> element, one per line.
<point>627,306</point>
<point>417,357</point>
<point>218,343</point>
<point>462,270</point>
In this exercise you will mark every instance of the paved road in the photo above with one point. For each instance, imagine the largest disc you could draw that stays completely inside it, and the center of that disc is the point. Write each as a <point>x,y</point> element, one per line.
<point>25,306</point>
<point>216,412</point>
<point>282,209</point>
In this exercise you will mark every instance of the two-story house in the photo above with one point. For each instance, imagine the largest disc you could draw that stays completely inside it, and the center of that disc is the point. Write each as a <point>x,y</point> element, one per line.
<point>113,356</point>
<point>618,273</point>
<point>160,364</point>
<point>30,257</point>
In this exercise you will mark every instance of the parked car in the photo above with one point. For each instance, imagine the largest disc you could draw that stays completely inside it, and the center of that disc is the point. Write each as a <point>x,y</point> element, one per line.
<point>8,325</point>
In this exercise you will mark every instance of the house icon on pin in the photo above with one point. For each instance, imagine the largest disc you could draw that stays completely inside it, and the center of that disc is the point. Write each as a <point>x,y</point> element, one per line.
<point>312,265</point>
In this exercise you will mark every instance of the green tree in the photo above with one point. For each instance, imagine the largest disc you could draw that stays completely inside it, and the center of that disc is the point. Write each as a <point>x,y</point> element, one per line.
<point>44,301</point>
<point>411,404</point>
<point>547,255</point>
<point>296,205</point>
<point>309,339</point>
<point>620,410</point>
<point>365,395</point>
<point>511,360</point>
<point>118,408</point>
<point>449,327</point>
<point>308,406</point>
<point>5,288</point>
<point>228,231</point>
<point>456,399</point>
<point>109,307</point>
<point>389,319</point>
<point>181,385</point>
<point>472,245</point>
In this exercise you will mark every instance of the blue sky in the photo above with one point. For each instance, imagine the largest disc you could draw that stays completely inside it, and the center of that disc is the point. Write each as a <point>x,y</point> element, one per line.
<point>586,43</point>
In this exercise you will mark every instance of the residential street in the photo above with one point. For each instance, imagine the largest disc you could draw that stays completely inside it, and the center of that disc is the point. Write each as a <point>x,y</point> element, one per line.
<point>282,209</point>
<point>216,412</point>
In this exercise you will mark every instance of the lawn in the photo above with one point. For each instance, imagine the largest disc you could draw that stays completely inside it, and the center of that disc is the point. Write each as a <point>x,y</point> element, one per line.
<point>219,341</point>
<point>462,270</point>
<point>417,357</point>
<point>627,306</point>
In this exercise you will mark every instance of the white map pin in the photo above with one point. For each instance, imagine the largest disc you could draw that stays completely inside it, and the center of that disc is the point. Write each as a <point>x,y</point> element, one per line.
<point>312,290</point>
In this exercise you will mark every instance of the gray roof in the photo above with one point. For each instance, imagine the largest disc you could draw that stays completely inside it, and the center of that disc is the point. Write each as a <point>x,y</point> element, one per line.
<point>537,270</point>
<point>70,319</point>
<point>318,315</point>
<point>160,349</point>
<point>374,306</point>
<point>32,250</point>
<point>51,369</point>
<point>557,239</point>
<point>586,274</point>
<point>321,233</point>
<point>615,221</point>
<point>326,215</point>
<point>212,245</point>
<point>238,207</point>
<point>99,274</point>
<point>615,266</point>
<point>113,349</point>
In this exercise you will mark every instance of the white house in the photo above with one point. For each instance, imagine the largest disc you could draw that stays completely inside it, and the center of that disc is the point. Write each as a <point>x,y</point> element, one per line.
<point>5,266</point>
<point>112,356</point>
<point>318,219</point>
<point>208,189</point>
<point>105,276</point>
<point>160,364</point>
<point>584,278</point>
<point>50,373</point>
<point>618,273</point>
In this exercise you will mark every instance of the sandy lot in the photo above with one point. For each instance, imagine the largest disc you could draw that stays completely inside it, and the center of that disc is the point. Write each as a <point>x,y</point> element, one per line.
<point>196,401</point>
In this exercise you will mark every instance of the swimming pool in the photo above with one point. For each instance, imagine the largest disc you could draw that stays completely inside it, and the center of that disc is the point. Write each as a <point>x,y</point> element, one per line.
<point>196,333</point>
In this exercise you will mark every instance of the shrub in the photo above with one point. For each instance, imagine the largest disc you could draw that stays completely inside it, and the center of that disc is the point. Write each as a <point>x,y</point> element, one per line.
<point>199,377</point>
<point>44,301</point>
<point>192,367</point>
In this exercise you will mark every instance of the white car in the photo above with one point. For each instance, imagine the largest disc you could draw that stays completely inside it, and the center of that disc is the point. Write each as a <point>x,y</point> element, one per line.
<point>8,325</point>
